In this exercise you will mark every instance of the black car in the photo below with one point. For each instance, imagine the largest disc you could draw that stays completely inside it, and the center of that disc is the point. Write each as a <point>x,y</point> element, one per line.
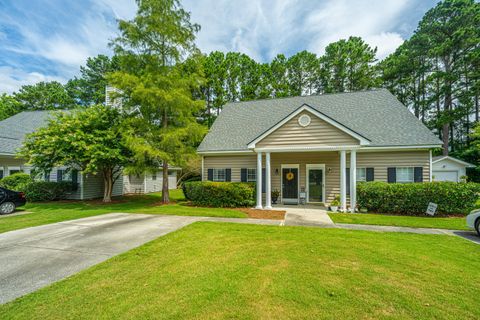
<point>9,200</point>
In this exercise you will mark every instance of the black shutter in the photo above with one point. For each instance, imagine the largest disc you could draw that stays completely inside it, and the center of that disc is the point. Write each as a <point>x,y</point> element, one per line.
<point>243,175</point>
<point>46,176</point>
<point>228,174</point>
<point>59,175</point>
<point>1,174</point>
<point>210,175</point>
<point>392,175</point>
<point>370,174</point>
<point>263,180</point>
<point>74,176</point>
<point>347,175</point>
<point>418,174</point>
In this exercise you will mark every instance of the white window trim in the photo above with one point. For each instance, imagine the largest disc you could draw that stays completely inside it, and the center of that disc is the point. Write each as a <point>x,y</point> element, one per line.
<point>12,168</point>
<point>215,175</point>
<point>404,181</point>
<point>250,180</point>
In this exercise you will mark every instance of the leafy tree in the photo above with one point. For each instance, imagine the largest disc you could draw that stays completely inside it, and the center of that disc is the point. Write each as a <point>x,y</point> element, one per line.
<point>9,106</point>
<point>435,72</point>
<point>157,90</point>
<point>89,88</point>
<point>303,69</point>
<point>348,65</point>
<point>44,96</point>
<point>279,76</point>
<point>91,139</point>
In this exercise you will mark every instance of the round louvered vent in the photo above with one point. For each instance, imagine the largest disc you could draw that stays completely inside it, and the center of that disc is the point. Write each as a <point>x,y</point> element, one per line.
<point>304,120</point>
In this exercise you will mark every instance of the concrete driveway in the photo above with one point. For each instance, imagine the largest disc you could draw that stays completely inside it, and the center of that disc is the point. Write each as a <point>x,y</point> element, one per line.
<point>36,257</point>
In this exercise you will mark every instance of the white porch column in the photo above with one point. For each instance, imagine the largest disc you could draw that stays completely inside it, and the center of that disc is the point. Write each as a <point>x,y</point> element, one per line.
<point>353,180</point>
<point>259,181</point>
<point>268,182</point>
<point>343,180</point>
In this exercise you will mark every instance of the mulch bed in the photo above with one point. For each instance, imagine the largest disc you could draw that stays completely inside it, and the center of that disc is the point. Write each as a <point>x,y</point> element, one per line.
<point>263,214</point>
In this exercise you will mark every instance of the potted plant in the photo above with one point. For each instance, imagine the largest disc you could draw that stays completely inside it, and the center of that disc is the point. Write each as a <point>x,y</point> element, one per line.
<point>334,204</point>
<point>275,195</point>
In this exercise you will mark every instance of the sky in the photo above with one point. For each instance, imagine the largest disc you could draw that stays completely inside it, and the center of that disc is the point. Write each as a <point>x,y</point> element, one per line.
<point>46,40</point>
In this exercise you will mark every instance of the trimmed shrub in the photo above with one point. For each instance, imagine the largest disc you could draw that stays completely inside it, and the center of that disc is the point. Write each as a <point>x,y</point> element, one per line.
<point>48,190</point>
<point>16,181</point>
<point>220,194</point>
<point>413,198</point>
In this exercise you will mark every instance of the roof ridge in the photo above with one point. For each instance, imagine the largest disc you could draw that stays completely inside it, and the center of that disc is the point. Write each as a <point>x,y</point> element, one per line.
<point>307,96</point>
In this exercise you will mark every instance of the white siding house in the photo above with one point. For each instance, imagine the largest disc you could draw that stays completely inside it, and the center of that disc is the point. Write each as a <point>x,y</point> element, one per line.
<point>445,168</point>
<point>148,182</point>
<point>12,133</point>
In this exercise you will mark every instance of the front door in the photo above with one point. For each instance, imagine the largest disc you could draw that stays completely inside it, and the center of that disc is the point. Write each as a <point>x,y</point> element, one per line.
<point>315,184</point>
<point>290,185</point>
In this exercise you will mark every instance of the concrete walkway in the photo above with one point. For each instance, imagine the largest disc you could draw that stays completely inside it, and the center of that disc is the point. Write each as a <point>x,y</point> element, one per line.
<point>315,216</point>
<point>35,257</point>
<point>306,216</point>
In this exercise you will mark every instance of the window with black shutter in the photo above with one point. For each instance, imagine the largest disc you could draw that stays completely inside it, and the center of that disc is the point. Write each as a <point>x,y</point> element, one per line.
<point>370,174</point>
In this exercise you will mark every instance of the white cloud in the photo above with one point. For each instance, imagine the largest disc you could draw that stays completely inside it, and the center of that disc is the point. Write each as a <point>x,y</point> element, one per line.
<point>122,9</point>
<point>12,79</point>
<point>263,29</point>
<point>386,43</point>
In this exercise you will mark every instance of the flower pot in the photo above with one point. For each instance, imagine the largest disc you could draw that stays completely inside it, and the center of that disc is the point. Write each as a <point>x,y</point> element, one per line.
<point>334,208</point>
<point>274,200</point>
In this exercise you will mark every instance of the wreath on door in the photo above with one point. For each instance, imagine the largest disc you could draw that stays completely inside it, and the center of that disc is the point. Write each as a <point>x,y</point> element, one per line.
<point>290,176</point>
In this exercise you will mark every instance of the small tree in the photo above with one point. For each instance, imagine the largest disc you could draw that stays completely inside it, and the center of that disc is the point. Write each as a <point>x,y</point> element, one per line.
<point>90,139</point>
<point>157,84</point>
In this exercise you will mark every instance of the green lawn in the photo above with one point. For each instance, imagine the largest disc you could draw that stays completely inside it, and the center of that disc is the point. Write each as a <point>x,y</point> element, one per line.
<point>454,223</point>
<point>219,271</point>
<point>44,213</point>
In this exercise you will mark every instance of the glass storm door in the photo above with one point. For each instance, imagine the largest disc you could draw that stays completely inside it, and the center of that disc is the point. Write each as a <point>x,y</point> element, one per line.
<point>315,185</point>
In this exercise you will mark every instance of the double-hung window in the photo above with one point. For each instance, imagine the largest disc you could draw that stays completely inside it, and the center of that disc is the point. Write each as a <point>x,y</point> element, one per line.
<point>404,174</point>
<point>361,174</point>
<point>251,175</point>
<point>219,175</point>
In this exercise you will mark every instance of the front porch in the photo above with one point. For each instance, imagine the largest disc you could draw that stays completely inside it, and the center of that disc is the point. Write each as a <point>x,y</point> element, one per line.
<point>312,178</point>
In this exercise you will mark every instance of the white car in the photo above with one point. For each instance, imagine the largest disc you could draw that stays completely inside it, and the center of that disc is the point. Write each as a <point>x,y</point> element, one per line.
<point>473,220</point>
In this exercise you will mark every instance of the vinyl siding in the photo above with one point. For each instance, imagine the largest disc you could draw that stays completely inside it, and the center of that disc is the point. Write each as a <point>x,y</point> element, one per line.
<point>383,160</point>
<point>380,161</point>
<point>317,133</point>
<point>93,186</point>
<point>144,183</point>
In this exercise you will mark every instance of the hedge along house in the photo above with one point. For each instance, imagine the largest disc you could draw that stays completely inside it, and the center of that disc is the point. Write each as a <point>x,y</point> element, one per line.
<point>314,148</point>
<point>12,133</point>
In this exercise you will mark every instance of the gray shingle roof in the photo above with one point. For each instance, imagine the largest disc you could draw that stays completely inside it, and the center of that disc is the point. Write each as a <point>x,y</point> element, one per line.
<point>14,129</point>
<point>375,114</point>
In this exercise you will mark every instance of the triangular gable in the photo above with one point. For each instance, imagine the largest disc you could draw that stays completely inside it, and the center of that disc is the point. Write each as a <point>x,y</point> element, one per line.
<point>316,130</point>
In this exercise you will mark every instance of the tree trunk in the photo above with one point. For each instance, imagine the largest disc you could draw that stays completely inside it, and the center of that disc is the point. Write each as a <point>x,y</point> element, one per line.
<point>165,192</point>
<point>476,107</point>
<point>447,103</point>
<point>107,185</point>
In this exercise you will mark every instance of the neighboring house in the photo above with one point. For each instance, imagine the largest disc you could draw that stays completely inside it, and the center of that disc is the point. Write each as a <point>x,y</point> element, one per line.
<point>140,183</point>
<point>12,133</point>
<point>445,168</point>
<point>314,148</point>
<point>149,182</point>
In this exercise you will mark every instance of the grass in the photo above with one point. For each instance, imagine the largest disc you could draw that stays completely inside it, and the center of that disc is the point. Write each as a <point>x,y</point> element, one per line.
<point>50,212</point>
<point>218,271</point>
<point>454,223</point>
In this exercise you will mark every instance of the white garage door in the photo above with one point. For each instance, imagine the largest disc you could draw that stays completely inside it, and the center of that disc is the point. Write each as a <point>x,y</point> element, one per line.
<point>445,175</point>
